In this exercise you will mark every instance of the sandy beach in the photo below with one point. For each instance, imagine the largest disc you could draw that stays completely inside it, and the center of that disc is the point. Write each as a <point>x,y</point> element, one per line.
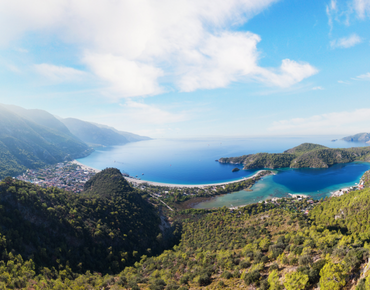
<point>138,182</point>
<point>85,167</point>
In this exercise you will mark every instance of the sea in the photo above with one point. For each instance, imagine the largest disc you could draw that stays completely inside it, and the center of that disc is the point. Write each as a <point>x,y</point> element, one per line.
<point>194,161</point>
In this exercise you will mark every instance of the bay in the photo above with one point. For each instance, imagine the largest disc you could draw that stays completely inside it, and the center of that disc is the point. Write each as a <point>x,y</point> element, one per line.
<point>192,161</point>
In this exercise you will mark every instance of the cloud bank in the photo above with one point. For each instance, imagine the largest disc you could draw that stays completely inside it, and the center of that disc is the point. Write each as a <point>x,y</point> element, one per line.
<point>331,123</point>
<point>146,47</point>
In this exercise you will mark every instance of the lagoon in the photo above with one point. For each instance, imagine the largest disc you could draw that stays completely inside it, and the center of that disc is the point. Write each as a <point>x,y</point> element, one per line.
<point>192,161</point>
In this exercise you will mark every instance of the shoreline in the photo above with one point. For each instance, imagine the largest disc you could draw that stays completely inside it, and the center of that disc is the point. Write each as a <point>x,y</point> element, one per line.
<point>85,167</point>
<point>173,185</point>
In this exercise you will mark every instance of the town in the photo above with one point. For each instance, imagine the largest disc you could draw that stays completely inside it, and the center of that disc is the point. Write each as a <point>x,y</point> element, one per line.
<point>69,175</point>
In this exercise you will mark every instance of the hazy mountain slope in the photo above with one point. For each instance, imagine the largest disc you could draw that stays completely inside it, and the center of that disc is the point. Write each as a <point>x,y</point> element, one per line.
<point>25,144</point>
<point>131,137</point>
<point>306,155</point>
<point>360,137</point>
<point>39,117</point>
<point>93,134</point>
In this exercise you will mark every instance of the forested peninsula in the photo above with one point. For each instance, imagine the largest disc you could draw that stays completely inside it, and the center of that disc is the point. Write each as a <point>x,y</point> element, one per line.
<point>306,155</point>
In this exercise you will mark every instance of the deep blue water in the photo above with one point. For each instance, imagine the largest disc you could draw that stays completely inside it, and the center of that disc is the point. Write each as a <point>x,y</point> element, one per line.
<point>193,162</point>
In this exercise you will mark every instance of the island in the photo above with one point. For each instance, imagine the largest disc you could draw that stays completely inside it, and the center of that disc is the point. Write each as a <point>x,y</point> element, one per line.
<point>236,169</point>
<point>306,155</point>
<point>360,137</point>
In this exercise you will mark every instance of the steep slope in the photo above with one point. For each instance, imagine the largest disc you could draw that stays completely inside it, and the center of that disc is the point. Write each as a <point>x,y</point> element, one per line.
<point>25,144</point>
<point>306,155</point>
<point>93,134</point>
<point>101,232</point>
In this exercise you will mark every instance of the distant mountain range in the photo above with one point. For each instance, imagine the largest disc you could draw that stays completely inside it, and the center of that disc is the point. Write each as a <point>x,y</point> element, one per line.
<point>360,137</point>
<point>33,138</point>
<point>96,134</point>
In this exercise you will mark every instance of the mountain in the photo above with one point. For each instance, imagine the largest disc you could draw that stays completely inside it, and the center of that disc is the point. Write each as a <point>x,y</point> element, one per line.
<point>41,118</point>
<point>26,144</point>
<point>94,134</point>
<point>361,137</point>
<point>129,136</point>
<point>306,155</point>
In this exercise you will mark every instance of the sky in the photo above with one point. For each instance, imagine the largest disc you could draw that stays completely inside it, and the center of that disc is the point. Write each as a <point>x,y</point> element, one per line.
<point>191,68</point>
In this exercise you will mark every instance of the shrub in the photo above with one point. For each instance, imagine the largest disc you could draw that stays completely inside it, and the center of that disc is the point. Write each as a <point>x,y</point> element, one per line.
<point>252,277</point>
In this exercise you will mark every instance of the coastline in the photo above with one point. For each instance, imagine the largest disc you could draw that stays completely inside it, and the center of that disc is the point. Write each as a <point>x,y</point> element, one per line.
<point>172,185</point>
<point>85,167</point>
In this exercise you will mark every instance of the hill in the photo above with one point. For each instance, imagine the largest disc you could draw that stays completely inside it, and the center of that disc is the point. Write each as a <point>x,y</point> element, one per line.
<point>306,155</point>
<point>270,245</point>
<point>361,137</point>
<point>103,232</point>
<point>26,144</point>
<point>94,134</point>
<point>49,237</point>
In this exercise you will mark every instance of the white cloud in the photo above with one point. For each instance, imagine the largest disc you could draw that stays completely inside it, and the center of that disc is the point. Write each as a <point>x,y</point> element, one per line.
<point>289,73</point>
<point>362,7</point>
<point>330,10</point>
<point>363,77</point>
<point>219,61</point>
<point>331,123</point>
<point>59,73</point>
<point>318,88</point>
<point>346,42</point>
<point>137,45</point>
<point>344,82</point>
<point>127,77</point>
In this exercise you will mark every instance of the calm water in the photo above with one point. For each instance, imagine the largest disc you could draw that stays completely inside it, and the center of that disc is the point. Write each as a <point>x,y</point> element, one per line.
<point>316,183</point>
<point>193,162</point>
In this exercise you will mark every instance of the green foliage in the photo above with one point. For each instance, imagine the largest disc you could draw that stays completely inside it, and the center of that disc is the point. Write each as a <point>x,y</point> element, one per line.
<point>333,276</point>
<point>348,213</point>
<point>295,281</point>
<point>273,280</point>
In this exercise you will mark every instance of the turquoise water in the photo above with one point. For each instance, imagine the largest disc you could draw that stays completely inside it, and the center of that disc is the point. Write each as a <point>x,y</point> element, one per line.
<point>316,183</point>
<point>192,161</point>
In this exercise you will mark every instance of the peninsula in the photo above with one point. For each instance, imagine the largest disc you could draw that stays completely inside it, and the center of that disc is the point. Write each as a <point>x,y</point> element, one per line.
<point>306,155</point>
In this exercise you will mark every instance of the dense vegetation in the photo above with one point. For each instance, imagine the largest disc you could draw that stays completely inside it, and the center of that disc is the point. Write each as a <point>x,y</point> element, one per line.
<point>26,144</point>
<point>306,155</point>
<point>51,239</point>
<point>93,232</point>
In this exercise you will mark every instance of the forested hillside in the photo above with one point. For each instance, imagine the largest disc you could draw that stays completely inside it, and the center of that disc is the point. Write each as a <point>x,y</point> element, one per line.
<point>306,155</point>
<point>49,238</point>
<point>95,232</point>
<point>26,144</point>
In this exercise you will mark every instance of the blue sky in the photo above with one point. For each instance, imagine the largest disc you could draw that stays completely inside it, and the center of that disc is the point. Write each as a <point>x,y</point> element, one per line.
<point>200,68</point>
